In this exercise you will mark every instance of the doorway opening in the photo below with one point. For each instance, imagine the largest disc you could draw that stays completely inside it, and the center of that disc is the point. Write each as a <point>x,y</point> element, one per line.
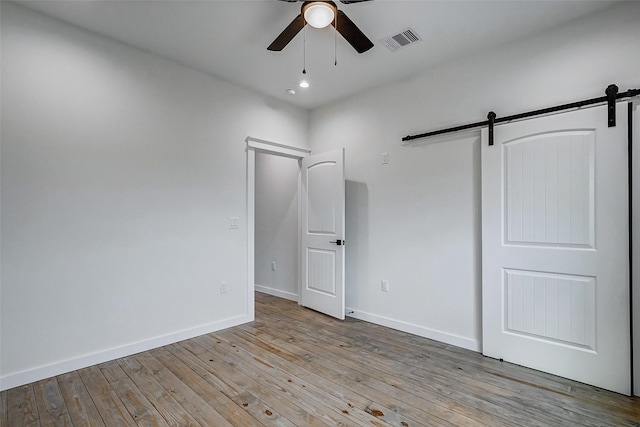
<point>270,155</point>
<point>276,225</point>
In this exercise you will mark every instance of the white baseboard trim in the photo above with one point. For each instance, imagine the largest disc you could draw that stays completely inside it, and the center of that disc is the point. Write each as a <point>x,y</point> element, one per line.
<point>277,293</point>
<point>58,368</point>
<point>410,328</point>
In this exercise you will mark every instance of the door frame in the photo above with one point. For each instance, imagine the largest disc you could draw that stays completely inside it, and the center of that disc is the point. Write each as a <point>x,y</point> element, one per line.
<point>634,239</point>
<point>255,145</point>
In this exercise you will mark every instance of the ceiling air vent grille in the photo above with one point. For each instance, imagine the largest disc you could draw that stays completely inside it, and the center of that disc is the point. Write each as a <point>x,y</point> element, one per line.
<point>400,40</point>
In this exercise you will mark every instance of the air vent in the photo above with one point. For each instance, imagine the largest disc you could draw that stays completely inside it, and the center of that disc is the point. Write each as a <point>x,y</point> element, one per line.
<point>400,40</point>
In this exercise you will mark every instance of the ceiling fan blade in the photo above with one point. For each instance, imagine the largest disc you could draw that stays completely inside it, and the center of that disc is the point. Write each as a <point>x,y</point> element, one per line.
<point>348,1</point>
<point>352,33</point>
<point>288,34</point>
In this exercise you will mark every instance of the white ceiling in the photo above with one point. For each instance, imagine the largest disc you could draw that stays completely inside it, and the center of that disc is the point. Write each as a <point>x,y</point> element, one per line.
<point>228,39</point>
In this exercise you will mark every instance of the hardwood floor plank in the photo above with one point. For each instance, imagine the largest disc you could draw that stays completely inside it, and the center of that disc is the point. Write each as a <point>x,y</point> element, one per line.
<point>112,410</point>
<point>505,370</point>
<point>496,372</point>
<point>22,409</point>
<point>205,384</point>
<point>295,367</point>
<point>373,390</point>
<point>546,407</point>
<point>82,410</point>
<point>362,367</point>
<point>500,401</point>
<point>370,387</point>
<point>550,401</point>
<point>273,381</point>
<point>197,407</point>
<point>270,395</point>
<point>171,411</point>
<point>51,406</point>
<point>261,411</point>
<point>141,409</point>
<point>342,399</point>
<point>4,420</point>
<point>397,381</point>
<point>326,324</point>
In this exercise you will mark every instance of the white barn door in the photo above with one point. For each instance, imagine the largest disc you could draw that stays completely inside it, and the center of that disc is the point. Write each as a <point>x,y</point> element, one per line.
<point>555,281</point>
<point>322,233</point>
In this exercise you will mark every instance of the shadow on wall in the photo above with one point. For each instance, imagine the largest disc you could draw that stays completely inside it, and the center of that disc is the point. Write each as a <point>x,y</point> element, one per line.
<point>357,237</point>
<point>449,168</point>
<point>470,138</point>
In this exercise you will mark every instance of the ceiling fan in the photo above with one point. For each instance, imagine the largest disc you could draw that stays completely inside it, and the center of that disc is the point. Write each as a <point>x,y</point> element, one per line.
<point>320,14</point>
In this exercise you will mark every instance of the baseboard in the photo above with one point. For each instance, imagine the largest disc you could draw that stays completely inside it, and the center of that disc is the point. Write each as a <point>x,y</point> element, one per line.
<point>62,367</point>
<point>277,293</point>
<point>410,328</point>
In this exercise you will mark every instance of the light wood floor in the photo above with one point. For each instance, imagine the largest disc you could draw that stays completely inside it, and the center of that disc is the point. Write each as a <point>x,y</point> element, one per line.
<point>293,366</point>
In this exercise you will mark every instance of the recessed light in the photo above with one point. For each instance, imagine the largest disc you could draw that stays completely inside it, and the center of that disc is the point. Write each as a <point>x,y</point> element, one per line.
<point>304,84</point>
<point>290,92</point>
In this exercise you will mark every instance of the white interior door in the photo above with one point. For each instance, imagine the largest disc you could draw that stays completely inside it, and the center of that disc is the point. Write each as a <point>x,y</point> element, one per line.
<point>322,233</point>
<point>555,280</point>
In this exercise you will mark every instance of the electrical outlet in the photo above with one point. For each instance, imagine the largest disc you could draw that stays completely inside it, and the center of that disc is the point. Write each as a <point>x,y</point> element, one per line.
<point>273,266</point>
<point>223,287</point>
<point>384,285</point>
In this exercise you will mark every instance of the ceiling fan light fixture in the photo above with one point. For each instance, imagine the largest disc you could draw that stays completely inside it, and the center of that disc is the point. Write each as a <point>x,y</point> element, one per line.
<point>319,14</point>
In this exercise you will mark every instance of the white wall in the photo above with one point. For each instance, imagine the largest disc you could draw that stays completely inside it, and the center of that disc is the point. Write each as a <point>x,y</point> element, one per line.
<point>119,171</point>
<point>416,221</point>
<point>276,222</point>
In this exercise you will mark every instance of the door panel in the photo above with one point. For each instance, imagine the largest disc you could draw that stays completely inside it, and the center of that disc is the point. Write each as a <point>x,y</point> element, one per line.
<point>321,198</point>
<point>555,247</point>
<point>552,307</point>
<point>321,274</point>
<point>322,227</point>
<point>550,189</point>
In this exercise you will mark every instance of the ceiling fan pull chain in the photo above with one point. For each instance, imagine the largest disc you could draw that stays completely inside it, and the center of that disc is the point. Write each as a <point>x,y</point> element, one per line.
<point>304,50</point>
<point>335,40</point>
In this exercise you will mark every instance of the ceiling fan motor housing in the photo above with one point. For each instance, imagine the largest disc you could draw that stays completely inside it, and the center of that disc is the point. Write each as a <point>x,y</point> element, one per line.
<point>319,14</point>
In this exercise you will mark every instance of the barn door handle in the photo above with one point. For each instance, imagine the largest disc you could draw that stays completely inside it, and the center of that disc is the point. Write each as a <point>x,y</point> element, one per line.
<point>339,242</point>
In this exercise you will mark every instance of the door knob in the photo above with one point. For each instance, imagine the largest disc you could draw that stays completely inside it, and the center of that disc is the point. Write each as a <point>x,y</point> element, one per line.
<point>339,242</point>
